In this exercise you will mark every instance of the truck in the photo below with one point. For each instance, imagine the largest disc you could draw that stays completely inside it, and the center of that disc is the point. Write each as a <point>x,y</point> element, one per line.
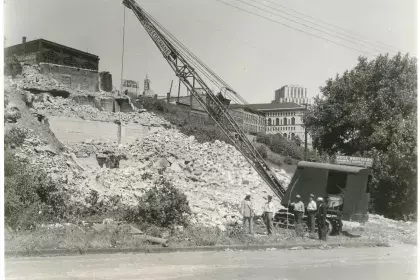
<point>345,188</point>
<point>314,178</point>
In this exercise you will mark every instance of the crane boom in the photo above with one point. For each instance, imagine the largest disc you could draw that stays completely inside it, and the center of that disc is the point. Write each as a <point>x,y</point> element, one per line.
<point>212,104</point>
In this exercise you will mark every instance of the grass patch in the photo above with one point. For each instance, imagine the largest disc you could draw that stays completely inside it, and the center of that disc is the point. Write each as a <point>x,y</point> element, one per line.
<point>84,237</point>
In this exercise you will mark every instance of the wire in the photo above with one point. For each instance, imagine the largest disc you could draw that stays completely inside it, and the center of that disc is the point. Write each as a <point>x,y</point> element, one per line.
<point>122,71</point>
<point>351,41</point>
<point>335,26</point>
<point>294,28</point>
<point>122,54</point>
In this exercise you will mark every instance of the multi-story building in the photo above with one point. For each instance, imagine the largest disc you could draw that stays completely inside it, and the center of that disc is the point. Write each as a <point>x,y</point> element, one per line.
<point>250,120</point>
<point>291,94</point>
<point>283,118</point>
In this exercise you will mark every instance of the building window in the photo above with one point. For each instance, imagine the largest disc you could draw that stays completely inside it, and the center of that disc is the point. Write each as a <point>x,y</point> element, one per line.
<point>285,135</point>
<point>269,121</point>
<point>51,57</point>
<point>284,121</point>
<point>293,120</point>
<point>88,65</point>
<point>277,121</point>
<point>70,61</point>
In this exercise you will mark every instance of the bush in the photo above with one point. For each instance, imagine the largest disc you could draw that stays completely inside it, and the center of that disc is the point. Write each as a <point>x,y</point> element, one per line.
<point>280,145</point>
<point>288,160</point>
<point>15,136</point>
<point>29,195</point>
<point>162,206</point>
<point>275,158</point>
<point>262,151</point>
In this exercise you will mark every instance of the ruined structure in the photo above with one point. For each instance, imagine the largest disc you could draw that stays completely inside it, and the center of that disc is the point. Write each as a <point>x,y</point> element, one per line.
<point>74,68</point>
<point>41,50</point>
<point>105,81</point>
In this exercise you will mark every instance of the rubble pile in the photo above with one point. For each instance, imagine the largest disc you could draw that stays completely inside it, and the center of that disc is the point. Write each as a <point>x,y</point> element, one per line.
<point>381,228</point>
<point>214,176</point>
<point>65,107</point>
<point>61,167</point>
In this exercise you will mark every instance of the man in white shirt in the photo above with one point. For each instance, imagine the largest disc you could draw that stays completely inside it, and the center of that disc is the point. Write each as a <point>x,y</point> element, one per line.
<point>269,214</point>
<point>247,211</point>
<point>311,213</point>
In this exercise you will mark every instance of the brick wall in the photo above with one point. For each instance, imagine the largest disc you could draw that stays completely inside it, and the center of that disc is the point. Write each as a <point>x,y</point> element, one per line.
<point>72,77</point>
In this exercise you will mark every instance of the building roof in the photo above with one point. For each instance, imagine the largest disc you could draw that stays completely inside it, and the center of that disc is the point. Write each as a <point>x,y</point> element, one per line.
<point>58,45</point>
<point>245,108</point>
<point>270,106</point>
<point>336,167</point>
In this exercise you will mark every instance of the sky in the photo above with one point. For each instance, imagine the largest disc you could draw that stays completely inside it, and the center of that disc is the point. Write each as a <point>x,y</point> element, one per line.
<point>254,55</point>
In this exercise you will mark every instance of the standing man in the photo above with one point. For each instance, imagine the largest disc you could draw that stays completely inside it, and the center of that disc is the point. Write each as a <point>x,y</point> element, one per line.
<point>298,210</point>
<point>247,211</point>
<point>321,217</point>
<point>268,214</point>
<point>311,213</point>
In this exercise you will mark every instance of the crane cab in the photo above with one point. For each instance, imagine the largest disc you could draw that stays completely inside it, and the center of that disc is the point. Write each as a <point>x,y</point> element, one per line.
<point>346,188</point>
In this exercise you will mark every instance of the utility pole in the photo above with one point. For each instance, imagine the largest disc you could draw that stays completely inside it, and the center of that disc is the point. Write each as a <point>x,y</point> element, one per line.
<point>306,136</point>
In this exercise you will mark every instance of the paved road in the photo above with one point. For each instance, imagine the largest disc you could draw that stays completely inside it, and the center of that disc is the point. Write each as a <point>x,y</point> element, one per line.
<point>338,264</point>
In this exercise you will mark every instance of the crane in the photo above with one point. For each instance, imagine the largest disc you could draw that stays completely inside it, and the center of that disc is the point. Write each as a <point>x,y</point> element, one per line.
<point>196,76</point>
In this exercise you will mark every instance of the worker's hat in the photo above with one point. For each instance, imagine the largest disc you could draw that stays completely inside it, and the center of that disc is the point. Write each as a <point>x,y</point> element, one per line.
<point>311,195</point>
<point>248,193</point>
<point>320,199</point>
<point>270,197</point>
<point>297,196</point>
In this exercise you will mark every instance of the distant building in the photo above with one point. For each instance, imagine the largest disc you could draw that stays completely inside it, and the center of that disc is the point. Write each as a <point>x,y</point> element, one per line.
<point>41,50</point>
<point>285,118</point>
<point>291,94</point>
<point>249,119</point>
<point>148,92</point>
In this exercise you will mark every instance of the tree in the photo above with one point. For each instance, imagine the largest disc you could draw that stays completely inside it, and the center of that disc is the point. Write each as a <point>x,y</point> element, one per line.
<point>371,111</point>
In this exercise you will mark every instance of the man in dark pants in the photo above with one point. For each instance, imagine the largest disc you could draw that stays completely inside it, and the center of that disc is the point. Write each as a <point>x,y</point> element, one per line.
<point>311,213</point>
<point>268,214</point>
<point>321,217</point>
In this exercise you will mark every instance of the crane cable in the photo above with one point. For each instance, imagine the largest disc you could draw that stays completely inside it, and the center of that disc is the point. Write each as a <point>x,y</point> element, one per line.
<point>122,71</point>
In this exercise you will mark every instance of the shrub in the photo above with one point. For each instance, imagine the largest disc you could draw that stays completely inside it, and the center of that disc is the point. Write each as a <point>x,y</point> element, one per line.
<point>275,158</point>
<point>163,206</point>
<point>280,145</point>
<point>262,151</point>
<point>15,136</point>
<point>288,160</point>
<point>30,196</point>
